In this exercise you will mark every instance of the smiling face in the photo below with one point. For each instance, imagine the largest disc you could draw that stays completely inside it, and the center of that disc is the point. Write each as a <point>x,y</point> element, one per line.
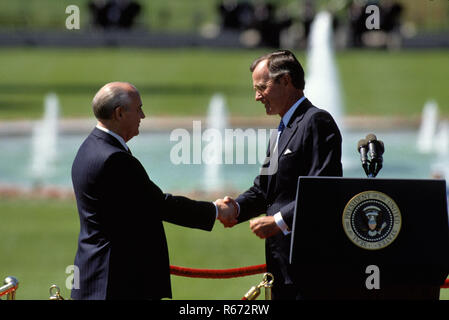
<point>273,94</point>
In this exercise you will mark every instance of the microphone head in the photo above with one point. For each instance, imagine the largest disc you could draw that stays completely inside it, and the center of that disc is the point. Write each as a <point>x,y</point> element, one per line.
<point>361,143</point>
<point>371,137</point>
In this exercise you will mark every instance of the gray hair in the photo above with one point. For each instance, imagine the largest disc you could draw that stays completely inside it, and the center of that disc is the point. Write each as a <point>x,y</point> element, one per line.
<point>109,97</point>
<point>282,62</point>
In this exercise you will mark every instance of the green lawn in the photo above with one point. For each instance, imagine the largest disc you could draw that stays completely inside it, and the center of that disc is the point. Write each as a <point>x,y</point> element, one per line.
<point>181,82</point>
<point>39,241</point>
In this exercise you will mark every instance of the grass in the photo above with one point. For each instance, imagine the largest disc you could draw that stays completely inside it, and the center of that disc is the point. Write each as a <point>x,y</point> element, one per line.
<point>171,82</point>
<point>181,82</point>
<point>393,83</point>
<point>39,240</point>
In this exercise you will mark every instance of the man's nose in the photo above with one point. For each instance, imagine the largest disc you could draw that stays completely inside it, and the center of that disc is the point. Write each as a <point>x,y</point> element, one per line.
<point>258,96</point>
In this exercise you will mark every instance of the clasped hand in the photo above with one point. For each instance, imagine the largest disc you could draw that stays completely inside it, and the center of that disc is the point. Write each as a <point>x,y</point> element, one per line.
<point>263,227</point>
<point>227,211</point>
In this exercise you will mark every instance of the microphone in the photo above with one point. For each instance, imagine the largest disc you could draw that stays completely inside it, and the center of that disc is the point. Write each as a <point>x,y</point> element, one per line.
<point>376,149</point>
<point>372,145</point>
<point>362,148</point>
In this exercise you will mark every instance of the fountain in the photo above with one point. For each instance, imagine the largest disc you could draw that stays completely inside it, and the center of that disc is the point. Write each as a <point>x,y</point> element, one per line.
<point>428,127</point>
<point>44,140</point>
<point>322,81</point>
<point>440,165</point>
<point>217,122</point>
<point>441,141</point>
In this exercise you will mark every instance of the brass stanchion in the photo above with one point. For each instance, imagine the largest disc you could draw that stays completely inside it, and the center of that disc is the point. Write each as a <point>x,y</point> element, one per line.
<point>268,285</point>
<point>9,288</point>
<point>57,294</point>
<point>254,292</point>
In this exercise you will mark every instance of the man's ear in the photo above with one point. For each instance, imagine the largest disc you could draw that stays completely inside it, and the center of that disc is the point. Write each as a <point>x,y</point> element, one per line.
<point>286,79</point>
<point>118,113</point>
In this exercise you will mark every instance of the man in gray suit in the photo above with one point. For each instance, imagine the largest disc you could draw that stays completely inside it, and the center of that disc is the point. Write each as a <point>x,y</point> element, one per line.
<point>308,144</point>
<point>122,250</point>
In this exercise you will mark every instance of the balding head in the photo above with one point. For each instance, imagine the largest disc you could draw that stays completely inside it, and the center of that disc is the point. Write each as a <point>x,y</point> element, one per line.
<point>111,96</point>
<point>118,107</point>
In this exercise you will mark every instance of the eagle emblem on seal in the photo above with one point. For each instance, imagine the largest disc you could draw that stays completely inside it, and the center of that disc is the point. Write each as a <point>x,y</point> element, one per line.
<point>372,220</point>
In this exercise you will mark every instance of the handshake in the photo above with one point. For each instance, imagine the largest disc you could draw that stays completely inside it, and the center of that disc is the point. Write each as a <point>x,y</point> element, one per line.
<point>228,210</point>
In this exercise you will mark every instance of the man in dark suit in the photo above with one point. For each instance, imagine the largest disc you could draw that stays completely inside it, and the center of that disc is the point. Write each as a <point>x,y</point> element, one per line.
<point>308,144</point>
<point>122,250</point>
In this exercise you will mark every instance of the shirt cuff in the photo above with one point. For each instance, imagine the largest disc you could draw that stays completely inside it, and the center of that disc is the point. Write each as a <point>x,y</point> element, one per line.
<point>238,209</point>
<point>281,223</point>
<point>216,211</point>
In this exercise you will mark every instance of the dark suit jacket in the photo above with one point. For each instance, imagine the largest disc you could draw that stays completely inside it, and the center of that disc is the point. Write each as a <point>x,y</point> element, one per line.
<point>314,141</point>
<point>122,250</point>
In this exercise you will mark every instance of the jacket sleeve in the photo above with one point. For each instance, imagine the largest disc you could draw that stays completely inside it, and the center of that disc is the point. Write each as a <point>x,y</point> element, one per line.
<point>140,198</point>
<point>322,145</point>
<point>253,201</point>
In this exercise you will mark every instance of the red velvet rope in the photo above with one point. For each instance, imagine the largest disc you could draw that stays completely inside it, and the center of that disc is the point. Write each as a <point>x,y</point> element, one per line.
<point>231,273</point>
<point>218,273</point>
<point>8,291</point>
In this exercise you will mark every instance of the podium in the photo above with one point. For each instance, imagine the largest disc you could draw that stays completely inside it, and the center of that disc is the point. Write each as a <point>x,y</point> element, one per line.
<point>370,238</point>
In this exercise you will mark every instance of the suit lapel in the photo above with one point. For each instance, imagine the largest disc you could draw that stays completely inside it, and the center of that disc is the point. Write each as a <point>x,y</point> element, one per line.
<point>285,138</point>
<point>108,138</point>
<point>292,126</point>
<point>287,135</point>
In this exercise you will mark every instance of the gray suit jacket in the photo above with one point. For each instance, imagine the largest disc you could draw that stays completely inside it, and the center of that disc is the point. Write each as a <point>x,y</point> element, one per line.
<point>122,250</point>
<point>314,143</point>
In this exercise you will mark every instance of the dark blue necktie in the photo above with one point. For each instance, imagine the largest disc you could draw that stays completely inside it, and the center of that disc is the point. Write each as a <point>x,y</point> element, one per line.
<point>281,127</point>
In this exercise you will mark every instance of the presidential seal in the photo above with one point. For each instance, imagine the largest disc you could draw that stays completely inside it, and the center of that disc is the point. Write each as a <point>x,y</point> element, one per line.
<point>372,220</point>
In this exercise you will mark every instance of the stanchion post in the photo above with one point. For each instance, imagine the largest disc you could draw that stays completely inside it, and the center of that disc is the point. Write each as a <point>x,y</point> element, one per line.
<point>268,284</point>
<point>9,288</point>
<point>254,292</point>
<point>57,294</point>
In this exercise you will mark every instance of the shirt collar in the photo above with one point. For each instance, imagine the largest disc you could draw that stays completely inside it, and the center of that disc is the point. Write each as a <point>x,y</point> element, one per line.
<point>115,135</point>
<point>287,116</point>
